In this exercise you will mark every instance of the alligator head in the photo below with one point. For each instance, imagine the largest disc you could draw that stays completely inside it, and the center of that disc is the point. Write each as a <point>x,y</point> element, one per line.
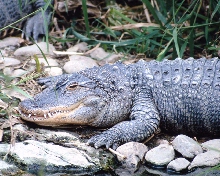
<point>97,97</point>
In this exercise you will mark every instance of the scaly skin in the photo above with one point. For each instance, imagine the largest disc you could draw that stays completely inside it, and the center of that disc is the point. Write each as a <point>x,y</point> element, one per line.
<point>12,11</point>
<point>182,96</point>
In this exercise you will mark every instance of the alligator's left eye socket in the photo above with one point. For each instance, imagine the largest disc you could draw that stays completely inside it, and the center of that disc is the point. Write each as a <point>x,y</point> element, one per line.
<point>72,86</point>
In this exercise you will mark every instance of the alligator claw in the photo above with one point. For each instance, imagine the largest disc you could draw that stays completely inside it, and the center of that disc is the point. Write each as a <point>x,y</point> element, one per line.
<point>35,26</point>
<point>103,139</point>
<point>98,141</point>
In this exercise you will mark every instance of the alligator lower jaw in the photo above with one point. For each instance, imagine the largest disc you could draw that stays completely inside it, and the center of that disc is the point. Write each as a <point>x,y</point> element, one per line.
<point>56,117</point>
<point>48,119</point>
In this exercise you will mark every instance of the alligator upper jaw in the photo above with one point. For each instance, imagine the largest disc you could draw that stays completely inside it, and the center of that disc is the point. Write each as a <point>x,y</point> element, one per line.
<point>56,116</point>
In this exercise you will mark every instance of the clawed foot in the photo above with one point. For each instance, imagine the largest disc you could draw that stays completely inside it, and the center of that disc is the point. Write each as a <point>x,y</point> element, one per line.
<point>35,26</point>
<point>105,139</point>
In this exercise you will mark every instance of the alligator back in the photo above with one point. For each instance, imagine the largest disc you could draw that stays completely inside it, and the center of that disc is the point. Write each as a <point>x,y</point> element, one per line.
<point>12,10</point>
<point>186,94</point>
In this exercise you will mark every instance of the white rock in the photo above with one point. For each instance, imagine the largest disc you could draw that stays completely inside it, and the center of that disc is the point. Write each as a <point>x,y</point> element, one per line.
<point>207,159</point>
<point>161,141</point>
<point>78,63</point>
<point>33,49</point>
<point>54,71</point>
<point>19,73</point>
<point>212,145</point>
<point>99,54</point>
<point>1,60</point>
<point>178,164</point>
<point>10,41</point>
<point>7,169</point>
<point>20,127</point>
<point>186,146</point>
<point>104,57</point>
<point>3,104</point>
<point>160,155</point>
<point>112,58</point>
<point>8,61</point>
<point>50,61</point>
<point>14,73</point>
<point>14,93</point>
<point>79,47</point>
<point>134,153</point>
<point>8,71</point>
<point>30,152</point>
<point>2,54</point>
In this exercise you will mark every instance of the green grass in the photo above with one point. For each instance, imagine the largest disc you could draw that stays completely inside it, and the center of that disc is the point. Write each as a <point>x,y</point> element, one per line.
<point>183,29</point>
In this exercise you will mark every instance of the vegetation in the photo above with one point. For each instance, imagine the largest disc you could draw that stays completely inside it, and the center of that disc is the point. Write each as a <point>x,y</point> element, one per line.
<point>154,28</point>
<point>157,29</point>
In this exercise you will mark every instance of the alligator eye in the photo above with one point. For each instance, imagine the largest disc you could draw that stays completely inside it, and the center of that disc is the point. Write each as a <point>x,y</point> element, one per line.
<point>72,86</point>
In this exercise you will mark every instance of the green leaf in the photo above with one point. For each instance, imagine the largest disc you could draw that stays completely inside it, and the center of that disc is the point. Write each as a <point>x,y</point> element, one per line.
<point>161,55</point>
<point>215,10</point>
<point>17,89</point>
<point>183,47</point>
<point>152,11</point>
<point>85,13</point>
<point>175,37</point>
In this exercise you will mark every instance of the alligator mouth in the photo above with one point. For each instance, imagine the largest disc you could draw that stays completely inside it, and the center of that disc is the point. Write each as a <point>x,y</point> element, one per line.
<point>54,116</point>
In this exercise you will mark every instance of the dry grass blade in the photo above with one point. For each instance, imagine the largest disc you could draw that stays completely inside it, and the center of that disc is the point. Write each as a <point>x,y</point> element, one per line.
<point>118,154</point>
<point>134,26</point>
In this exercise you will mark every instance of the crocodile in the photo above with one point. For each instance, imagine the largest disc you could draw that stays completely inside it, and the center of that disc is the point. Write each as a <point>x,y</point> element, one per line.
<point>14,10</point>
<point>132,101</point>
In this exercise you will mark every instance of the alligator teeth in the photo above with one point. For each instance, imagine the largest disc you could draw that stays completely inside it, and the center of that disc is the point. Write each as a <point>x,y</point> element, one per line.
<point>29,115</point>
<point>45,116</point>
<point>49,114</point>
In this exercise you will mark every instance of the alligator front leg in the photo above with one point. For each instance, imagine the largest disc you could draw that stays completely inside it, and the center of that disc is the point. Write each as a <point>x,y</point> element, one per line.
<point>37,24</point>
<point>143,124</point>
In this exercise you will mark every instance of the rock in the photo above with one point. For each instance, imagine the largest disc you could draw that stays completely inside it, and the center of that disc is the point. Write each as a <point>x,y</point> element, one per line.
<point>79,47</point>
<point>19,73</point>
<point>58,137</point>
<point>207,159</point>
<point>54,71</point>
<point>134,153</point>
<point>14,73</point>
<point>212,145</point>
<point>8,71</point>
<point>10,41</point>
<point>78,63</point>
<point>186,146</point>
<point>104,57</point>
<point>162,141</point>
<point>70,139</point>
<point>197,172</point>
<point>66,139</point>
<point>121,171</point>
<point>20,127</point>
<point>8,169</point>
<point>33,49</point>
<point>160,155</point>
<point>35,155</point>
<point>1,60</point>
<point>2,54</point>
<point>178,164</point>
<point>13,93</point>
<point>3,104</point>
<point>50,61</point>
<point>51,65</point>
<point>8,61</point>
<point>99,54</point>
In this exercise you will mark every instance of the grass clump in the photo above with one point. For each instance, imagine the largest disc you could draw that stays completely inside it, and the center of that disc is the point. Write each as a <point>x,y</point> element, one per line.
<point>158,29</point>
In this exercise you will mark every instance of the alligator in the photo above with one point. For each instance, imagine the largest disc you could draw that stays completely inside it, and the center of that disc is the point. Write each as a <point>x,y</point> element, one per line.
<point>132,101</point>
<point>14,10</point>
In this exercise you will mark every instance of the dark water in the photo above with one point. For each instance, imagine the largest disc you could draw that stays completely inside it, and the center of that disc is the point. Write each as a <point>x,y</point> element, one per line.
<point>143,171</point>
